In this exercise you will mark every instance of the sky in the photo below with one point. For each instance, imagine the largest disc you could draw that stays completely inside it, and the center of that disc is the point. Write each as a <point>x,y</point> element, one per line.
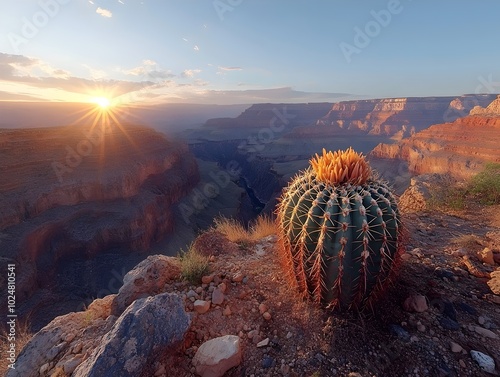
<point>246,51</point>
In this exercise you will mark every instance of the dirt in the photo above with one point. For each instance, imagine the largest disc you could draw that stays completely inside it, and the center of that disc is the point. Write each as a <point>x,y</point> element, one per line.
<point>305,340</point>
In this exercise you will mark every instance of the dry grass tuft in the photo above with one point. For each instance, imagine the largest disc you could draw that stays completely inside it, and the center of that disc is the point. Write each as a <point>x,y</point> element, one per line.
<point>234,231</point>
<point>194,265</point>
<point>262,227</point>
<point>23,336</point>
<point>467,241</point>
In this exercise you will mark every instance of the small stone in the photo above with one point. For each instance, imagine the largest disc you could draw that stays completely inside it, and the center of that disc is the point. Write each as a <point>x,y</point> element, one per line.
<point>77,348</point>
<point>417,252</point>
<point>485,332</point>
<point>199,290</point>
<point>455,347</point>
<point>263,343</point>
<point>399,332</point>
<point>160,371</point>
<point>415,303</point>
<point>222,286</point>
<point>459,252</point>
<point>44,368</point>
<point>486,256</point>
<point>227,311</point>
<point>289,335</point>
<point>267,316</point>
<point>201,306</point>
<point>191,293</point>
<point>485,362</point>
<point>267,362</point>
<point>449,324</point>
<point>262,308</point>
<point>207,279</point>
<point>462,363</point>
<point>405,257</point>
<point>421,328</point>
<point>252,333</point>
<point>481,320</point>
<point>237,277</point>
<point>217,297</point>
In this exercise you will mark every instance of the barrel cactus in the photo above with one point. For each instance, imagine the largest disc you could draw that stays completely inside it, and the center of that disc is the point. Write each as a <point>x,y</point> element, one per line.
<point>340,231</point>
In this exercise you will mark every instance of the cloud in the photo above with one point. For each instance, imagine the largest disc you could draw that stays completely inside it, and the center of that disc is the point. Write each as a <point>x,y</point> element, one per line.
<point>196,48</point>
<point>104,12</point>
<point>121,2</point>
<point>230,68</point>
<point>148,69</point>
<point>96,74</point>
<point>37,74</point>
<point>189,73</point>
<point>223,70</point>
<point>8,96</point>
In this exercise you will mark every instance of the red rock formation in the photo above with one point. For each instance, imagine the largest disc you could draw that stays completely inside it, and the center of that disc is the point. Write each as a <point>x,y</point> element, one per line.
<point>67,190</point>
<point>395,117</point>
<point>459,148</point>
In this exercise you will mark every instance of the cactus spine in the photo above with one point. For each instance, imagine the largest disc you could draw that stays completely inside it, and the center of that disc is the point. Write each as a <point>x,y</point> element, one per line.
<point>340,231</point>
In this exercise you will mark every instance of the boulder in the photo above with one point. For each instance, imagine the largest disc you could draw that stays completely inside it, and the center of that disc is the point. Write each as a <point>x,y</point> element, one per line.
<point>148,329</point>
<point>56,341</point>
<point>486,256</point>
<point>146,279</point>
<point>494,282</point>
<point>217,356</point>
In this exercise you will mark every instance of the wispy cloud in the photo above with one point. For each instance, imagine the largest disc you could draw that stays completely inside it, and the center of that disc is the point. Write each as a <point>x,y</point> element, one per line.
<point>190,72</point>
<point>230,68</point>
<point>196,48</point>
<point>149,69</point>
<point>104,12</point>
<point>121,2</point>
<point>96,74</point>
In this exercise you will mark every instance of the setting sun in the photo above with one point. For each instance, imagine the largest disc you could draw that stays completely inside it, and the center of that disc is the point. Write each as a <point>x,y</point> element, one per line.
<point>103,102</point>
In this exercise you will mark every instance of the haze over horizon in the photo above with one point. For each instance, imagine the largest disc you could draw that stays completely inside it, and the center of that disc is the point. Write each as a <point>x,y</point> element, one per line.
<point>243,52</point>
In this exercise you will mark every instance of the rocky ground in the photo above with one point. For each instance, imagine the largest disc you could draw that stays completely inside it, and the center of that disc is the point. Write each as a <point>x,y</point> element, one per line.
<point>439,319</point>
<point>281,335</point>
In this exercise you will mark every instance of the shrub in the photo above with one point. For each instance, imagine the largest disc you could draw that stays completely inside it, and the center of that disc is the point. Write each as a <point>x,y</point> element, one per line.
<point>194,265</point>
<point>486,185</point>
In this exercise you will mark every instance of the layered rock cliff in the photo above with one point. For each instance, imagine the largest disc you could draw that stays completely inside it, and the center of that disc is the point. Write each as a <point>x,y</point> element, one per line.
<point>396,117</point>
<point>459,148</point>
<point>69,191</point>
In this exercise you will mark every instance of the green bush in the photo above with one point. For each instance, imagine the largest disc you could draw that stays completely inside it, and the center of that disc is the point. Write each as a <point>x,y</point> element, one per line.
<point>486,185</point>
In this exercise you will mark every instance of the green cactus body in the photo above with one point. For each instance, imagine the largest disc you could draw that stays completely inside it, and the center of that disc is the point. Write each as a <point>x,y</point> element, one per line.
<point>342,242</point>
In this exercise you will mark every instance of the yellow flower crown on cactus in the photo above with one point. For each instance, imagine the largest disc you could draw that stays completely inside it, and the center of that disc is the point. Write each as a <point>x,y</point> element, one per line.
<point>337,168</point>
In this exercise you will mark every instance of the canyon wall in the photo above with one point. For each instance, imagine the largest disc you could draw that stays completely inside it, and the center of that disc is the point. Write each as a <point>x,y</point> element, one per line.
<point>78,191</point>
<point>459,148</point>
<point>394,117</point>
<point>268,114</point>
